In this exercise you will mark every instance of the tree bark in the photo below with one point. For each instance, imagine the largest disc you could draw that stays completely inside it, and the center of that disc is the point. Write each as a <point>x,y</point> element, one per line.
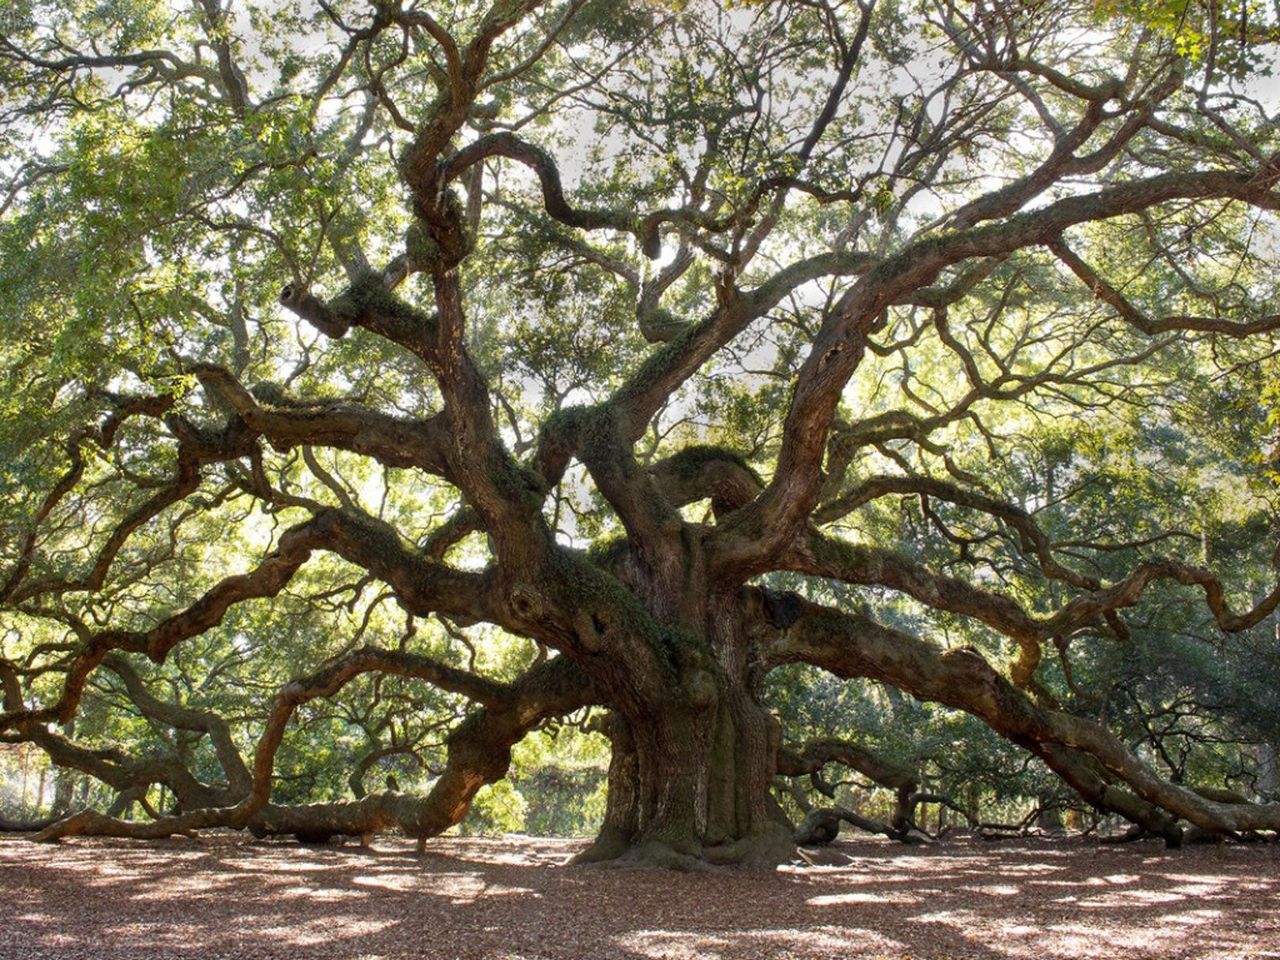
<point>693,761</point>
<point>1268,770</point>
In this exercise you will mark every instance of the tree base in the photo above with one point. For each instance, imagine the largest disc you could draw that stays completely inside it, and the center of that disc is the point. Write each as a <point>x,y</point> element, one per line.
<point>765,850</point>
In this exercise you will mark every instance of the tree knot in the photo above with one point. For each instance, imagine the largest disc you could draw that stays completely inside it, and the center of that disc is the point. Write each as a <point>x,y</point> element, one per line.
<point>700,685</point>
<point>593,628</point>
<point>527,602</point>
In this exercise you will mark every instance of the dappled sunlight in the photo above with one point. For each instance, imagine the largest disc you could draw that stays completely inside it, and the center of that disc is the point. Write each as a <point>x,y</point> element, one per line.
<point>995,890</point>
<point>782,941</point>
<point>660,943</point>
<point>1131,896</point>
<point>1193,918</point>
<point>471,898</point>
<point>324,930</point>
<point>830,900</point>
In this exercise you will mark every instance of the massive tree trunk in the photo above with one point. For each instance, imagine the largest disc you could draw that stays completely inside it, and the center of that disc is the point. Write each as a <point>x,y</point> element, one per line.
<point>693,787</point>
<point>694,758</point>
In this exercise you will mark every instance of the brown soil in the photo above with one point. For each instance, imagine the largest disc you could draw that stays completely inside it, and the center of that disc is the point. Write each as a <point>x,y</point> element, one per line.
<point>225,896</point>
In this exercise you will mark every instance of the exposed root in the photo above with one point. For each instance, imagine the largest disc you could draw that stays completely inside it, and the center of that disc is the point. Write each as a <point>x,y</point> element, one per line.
<point>655,855</point>
<point>609,844</point>
<point>764,850</point>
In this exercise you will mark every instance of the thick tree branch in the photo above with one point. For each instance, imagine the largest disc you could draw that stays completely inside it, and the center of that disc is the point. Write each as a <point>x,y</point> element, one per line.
<point>854,645</point>
<point>1153,326</point>
<point>762,530</point>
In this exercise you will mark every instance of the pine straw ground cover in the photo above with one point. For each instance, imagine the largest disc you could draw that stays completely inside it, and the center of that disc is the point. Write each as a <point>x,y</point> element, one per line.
<point>226,896</point>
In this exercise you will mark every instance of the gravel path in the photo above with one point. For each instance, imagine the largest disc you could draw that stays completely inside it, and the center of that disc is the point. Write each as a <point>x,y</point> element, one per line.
<point>226,896</point>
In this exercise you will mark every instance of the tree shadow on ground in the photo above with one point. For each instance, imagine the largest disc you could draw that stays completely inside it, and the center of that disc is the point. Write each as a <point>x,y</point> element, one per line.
<point>225,896</point>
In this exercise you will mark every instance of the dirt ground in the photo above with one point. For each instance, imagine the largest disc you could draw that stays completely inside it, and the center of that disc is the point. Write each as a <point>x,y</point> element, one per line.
<point>227,896</point>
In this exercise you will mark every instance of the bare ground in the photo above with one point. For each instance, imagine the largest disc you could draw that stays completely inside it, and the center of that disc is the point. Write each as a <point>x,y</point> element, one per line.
<point>226,896</point>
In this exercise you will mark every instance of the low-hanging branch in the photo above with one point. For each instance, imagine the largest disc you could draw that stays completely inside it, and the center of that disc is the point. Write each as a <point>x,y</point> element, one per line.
<point>854,645</point>
<point>478,752</point>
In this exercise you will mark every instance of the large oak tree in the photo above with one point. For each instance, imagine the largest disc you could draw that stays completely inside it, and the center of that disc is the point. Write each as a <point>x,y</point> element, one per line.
<point>685,341</point>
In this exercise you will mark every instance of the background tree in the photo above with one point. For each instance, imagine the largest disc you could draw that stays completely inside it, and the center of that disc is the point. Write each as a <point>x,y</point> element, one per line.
<point>401,368</point>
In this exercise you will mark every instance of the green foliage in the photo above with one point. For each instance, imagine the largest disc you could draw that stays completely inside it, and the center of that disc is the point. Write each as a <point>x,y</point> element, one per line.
<point>1229,36</point>
<point>497,808</point>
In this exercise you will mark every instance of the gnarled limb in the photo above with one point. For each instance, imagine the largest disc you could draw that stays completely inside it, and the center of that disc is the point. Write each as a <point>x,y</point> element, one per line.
<point>1082,751</point>
<point>813,755</point>
<point>186,718</point>
<point>266,580</point>
<point>854,563</point>
<point>1153,326</point>
<point>393,441</point>
<point>760,532</point>
<point>478,752</point>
